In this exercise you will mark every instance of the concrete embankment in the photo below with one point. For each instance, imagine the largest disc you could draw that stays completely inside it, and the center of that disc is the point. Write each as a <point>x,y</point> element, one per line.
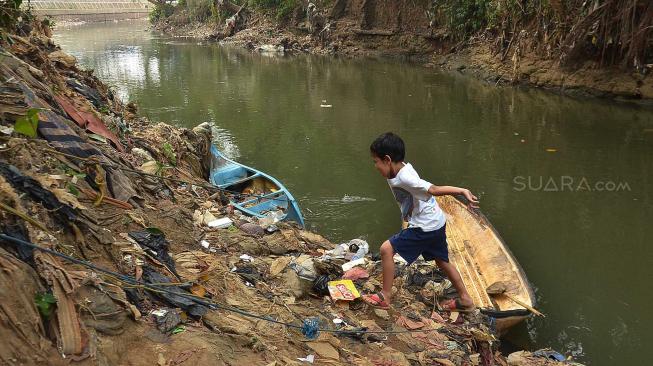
<point>91,10</point>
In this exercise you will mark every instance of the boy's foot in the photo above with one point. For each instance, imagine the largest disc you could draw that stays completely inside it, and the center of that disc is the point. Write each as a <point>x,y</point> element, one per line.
<point>456,305</point>
<point>377,300</point>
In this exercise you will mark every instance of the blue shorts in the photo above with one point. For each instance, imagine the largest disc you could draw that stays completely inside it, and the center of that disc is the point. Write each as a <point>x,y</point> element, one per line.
<point>412,242</point>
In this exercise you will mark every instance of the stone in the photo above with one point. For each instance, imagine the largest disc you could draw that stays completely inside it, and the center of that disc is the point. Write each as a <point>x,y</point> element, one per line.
<point>383,314</point>
<point>62,58</point>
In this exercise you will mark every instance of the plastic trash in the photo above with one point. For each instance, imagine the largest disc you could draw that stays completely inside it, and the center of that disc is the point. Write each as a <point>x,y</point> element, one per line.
<point>351,264</point>
<point>549,354</point>
<point>271,218</point>
<point>309,359</point>
<point>343,290</point>
<point>247,258</point>
<point>304,267</point>
<point>220,223</point>
<point>269,48</point>
<point>359,247</point>
<point>355,273</point>
<point>321,285</point>
<point>154,242</point>
<point>337,252</point>
<point>353,249</point>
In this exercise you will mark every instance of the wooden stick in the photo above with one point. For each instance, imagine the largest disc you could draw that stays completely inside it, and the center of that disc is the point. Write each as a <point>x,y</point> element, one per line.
<point>530,308</point>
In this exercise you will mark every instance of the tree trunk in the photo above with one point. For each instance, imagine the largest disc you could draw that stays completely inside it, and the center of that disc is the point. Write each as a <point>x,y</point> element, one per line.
<point>338,9</point>
<point>367,14</point>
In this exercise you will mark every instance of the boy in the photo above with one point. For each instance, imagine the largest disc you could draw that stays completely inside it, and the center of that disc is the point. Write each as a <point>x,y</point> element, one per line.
<point>425,232</point>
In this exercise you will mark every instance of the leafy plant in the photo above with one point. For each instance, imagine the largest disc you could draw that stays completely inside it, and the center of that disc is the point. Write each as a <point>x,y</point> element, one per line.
<point>45,303</point>
<point>154,230</point>
<point>49,21</point>
<point>73,189</point>
<point>9,12</point>
<point>28,124</point>
<point>169,152</point>
<point>283,7</point>
<point>161,11</point>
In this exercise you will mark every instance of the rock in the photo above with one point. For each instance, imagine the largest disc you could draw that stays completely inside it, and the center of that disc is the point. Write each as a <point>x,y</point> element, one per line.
<point>383,314</point>
<point>62,58</point>
<point>142,154</point>
<point>202,128</point>
<point>252,229</point>
<point>295,285</point>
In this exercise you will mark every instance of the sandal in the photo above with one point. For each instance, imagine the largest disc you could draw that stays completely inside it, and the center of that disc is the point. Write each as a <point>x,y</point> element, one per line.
<point>376,300</point>
<point>455,305</point>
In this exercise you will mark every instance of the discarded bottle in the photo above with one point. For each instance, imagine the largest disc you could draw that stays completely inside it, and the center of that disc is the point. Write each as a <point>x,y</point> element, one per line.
<point>361,248</point>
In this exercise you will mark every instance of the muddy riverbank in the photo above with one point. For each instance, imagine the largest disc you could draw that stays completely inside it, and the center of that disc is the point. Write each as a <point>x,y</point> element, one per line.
<point>404,30</point>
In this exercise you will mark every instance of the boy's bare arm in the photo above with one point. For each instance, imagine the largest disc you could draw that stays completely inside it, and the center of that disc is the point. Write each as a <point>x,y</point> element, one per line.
<point>450,190</point>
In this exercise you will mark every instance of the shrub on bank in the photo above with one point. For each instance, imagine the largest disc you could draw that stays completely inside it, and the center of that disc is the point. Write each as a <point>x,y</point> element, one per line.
<point>608,31</point>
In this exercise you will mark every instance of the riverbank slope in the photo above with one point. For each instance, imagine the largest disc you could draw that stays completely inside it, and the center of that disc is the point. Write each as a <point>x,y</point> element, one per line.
<point>416,30</point>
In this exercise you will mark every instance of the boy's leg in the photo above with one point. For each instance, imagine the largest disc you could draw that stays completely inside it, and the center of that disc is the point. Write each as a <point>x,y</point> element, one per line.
<point>457,281</point>
<point>388,266</point>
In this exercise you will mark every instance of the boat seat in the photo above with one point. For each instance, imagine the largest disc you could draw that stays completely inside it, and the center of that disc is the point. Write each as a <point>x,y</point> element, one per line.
<point>229,174</point>
<point>268,195</point>
<point>238,181</point>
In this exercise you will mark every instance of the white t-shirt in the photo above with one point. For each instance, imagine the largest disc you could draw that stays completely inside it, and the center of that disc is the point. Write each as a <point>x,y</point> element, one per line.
<point>418,207</point>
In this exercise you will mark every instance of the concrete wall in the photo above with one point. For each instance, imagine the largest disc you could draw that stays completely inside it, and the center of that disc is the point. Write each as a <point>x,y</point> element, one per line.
<point>99,10</point>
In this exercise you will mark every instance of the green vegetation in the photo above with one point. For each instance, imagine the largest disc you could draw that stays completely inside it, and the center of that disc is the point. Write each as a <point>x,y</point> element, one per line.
<point>161,11</point>
<point>169,153</point>
<point>609,31</point>
<point>283,7</point>
<point>9,12</point>
<point>45,303</point>
<point>28,124</point>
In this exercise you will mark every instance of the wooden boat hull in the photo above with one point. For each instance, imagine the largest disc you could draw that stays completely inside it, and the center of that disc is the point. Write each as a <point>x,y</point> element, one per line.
<point>252,191</point>
<point>482,258</point>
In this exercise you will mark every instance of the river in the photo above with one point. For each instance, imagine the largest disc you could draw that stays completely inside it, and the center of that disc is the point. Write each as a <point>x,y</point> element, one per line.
<point>568,183</point>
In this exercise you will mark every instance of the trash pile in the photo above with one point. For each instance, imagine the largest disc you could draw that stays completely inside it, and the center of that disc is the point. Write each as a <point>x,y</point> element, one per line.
<point>115,250</point>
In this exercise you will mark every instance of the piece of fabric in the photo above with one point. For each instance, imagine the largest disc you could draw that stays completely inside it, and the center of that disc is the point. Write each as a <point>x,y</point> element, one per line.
<point>88,120</point>
<point>64,214</point>
<point>412,242</point>
<point>54,128</point>
<point>155,244</point>
<point>418,207</point>
<point>376,300</point>
<point>189,306</point>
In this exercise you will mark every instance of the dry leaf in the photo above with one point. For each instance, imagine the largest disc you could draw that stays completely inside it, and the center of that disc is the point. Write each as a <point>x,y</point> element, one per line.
<point>278,265</point>
<point>67,198</point>
<point>198,290</point>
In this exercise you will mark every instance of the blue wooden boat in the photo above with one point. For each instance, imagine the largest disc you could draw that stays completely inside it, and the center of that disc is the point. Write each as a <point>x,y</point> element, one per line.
<point>252,191</point>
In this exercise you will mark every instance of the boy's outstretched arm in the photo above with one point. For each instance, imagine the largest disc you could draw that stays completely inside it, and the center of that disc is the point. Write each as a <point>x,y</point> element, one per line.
<point>449,190</point>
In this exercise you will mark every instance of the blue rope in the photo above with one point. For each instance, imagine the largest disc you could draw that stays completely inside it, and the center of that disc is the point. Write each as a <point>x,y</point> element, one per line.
<point>311,328</point>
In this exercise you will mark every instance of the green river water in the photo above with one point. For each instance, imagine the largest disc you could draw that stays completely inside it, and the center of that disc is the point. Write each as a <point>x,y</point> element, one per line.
<point>568,183</point>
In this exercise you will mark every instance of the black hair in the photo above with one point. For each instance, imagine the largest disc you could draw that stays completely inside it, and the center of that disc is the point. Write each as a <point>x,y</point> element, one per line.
<point>389,144</point>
